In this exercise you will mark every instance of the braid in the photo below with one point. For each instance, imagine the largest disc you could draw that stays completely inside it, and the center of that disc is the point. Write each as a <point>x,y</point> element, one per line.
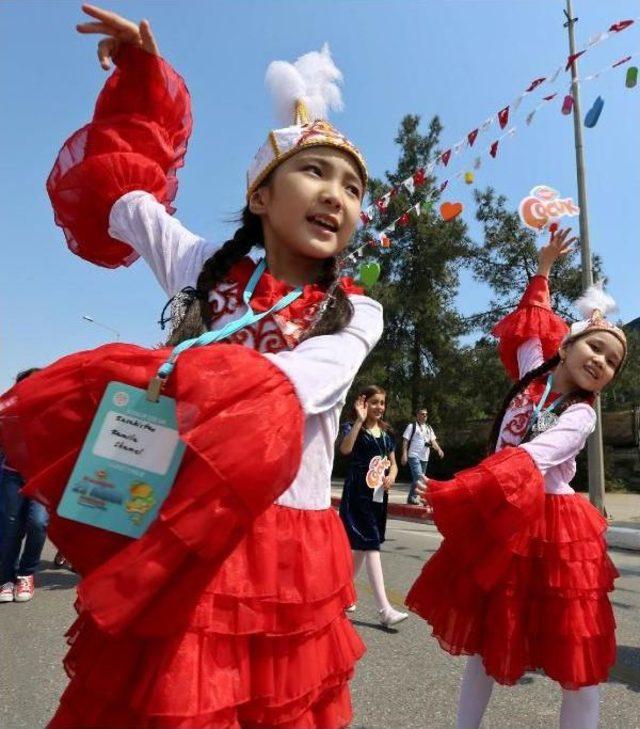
<point>336,310</point>
<point>516,389</point>
<point>195,320</point>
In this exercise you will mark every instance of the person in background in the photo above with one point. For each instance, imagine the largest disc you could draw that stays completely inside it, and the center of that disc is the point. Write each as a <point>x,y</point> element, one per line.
<point>417,440</point>
<point>23,531</point>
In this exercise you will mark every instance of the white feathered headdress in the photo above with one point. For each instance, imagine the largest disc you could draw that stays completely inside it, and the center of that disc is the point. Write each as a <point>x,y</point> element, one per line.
<point>304,92</point>
<point>594,305</point>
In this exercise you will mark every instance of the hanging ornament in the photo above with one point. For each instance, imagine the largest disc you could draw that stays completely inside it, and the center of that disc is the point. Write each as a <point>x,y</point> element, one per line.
<point>369,273</point>
<point>591,119</point>
<point>632,77</point>
<point>385,241</point>
<point>418,177</point>
<point>468,178</point>
<point>404,220</point>
<point>567,105</point>
<point>449,211</point>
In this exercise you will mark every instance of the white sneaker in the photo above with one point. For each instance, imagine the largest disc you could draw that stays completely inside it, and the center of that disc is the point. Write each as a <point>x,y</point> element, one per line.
<point>390,617</point>
<point>24,589</point>
<point>6,592</point>
<point>351,608</point>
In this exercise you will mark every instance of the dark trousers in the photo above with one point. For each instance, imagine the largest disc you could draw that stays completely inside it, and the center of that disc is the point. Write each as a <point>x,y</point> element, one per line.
<point>22,520</point>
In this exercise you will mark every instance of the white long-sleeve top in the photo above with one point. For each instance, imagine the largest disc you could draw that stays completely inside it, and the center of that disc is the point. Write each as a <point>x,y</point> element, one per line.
<point>321,368</point>
<point>555,450</point>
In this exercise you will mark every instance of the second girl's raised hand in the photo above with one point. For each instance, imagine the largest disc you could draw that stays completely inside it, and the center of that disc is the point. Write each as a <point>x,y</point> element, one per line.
<point>557,247</point>
<point>118,30</point>
<point>360,406</point>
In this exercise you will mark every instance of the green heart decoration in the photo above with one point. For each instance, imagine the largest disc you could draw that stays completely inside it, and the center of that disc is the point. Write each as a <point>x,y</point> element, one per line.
<point>369,273</point>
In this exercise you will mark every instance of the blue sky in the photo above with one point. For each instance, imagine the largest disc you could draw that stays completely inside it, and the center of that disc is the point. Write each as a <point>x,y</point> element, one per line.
<point>461,59</point>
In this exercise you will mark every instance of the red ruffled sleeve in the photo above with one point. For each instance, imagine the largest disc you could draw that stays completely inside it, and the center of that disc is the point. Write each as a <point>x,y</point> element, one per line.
<point>137,140</point>
<point>533,318</point>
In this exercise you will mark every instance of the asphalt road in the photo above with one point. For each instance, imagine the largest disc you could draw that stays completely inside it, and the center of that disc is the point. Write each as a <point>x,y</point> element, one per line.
<point>404,682</point>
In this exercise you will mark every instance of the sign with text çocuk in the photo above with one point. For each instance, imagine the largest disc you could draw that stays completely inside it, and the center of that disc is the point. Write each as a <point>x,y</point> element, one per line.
<point>544,206</point>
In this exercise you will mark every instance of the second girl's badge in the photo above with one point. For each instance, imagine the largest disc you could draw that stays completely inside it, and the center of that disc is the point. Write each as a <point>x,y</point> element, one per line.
<point>378,467</point>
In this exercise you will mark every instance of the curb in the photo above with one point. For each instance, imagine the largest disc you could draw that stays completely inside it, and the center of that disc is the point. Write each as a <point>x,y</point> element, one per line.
<point>617,537</point>
<point>405,512</point>
<point>623,538</point>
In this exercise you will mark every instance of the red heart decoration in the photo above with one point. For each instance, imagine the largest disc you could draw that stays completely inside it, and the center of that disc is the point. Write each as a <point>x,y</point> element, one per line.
<point>449,211</point>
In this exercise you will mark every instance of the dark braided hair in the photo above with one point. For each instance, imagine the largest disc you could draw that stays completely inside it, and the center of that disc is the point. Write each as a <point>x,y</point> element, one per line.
<point>334,316</point>
<point>548,365</point>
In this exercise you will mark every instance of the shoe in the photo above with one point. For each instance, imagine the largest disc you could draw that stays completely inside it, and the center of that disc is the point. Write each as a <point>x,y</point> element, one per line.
<point>6,592</point>
<point>351,608</point>
<point>414,501</point>
<point>390,617</point>
<point>24,589</point>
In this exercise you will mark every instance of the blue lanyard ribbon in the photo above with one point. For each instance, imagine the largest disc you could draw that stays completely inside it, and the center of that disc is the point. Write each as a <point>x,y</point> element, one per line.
<point>247,319</point>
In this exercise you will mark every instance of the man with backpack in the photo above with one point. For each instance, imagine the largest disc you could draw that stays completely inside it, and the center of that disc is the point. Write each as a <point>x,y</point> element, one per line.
<point>417,440</point>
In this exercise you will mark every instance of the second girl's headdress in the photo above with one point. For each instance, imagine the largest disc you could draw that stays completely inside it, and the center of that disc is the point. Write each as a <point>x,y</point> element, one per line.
<point>304,93</point>
<point>594,305</point>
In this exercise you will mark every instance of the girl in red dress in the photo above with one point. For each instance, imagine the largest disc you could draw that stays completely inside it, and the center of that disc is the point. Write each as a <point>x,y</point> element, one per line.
<point>521,579</point>
<point>229,610</point>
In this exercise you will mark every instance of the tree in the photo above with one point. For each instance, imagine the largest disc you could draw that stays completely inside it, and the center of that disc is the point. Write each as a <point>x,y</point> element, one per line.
<point>417,287</point>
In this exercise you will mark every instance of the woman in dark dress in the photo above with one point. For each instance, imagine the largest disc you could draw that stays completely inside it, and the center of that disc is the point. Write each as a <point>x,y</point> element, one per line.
<point>363,507</point>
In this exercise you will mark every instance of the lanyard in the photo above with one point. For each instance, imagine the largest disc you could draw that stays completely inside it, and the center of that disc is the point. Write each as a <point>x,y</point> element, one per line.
<point>247,319</point>
<point>383,438</point>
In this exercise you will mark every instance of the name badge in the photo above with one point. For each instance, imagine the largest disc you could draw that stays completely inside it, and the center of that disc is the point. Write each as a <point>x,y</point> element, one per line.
<point>127,464</point>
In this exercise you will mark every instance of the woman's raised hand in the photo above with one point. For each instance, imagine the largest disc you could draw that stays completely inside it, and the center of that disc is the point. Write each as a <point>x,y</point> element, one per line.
<point>118,30</point>
<point>557,247</point>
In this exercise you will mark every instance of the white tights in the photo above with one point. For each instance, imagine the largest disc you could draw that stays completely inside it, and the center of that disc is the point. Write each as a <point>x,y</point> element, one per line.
<point>374,571</point>
<point>580,709</point>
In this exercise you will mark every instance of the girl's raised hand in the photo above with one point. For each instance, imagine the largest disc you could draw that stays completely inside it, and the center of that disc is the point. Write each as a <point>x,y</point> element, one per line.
<point>118,30</point>
<point>557,247</point>
<point>360,406</point>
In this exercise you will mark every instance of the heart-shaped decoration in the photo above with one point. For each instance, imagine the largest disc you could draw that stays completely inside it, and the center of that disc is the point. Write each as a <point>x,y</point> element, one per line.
<point>369,273</point>
<point>449,211</point>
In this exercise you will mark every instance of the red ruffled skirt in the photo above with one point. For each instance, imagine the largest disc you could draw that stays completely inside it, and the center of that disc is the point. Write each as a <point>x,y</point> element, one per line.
<point>229,611</point>
<point>522,577</point>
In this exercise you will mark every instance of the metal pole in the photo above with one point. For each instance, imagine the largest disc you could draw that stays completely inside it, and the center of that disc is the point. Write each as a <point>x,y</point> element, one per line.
<point>594,444</point>
<point>104,326</point>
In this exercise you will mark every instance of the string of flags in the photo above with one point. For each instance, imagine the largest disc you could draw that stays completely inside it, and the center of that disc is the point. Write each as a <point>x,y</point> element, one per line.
<point>449,211</point>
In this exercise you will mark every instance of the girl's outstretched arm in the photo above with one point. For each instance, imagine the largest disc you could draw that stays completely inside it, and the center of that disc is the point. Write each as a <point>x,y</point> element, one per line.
<point>114,181</point>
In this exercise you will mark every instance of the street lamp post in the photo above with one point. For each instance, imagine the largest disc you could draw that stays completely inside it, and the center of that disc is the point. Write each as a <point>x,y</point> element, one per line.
<point>104,326</point>
<point>594,444</point>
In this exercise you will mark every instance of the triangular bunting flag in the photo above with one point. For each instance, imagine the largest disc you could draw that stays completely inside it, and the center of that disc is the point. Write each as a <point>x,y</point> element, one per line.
<point>555,75</point>
<point>472,137</point>
<point>493,150</point>
<point>486,124</point>
<point>416,208</point>
<point>477,163</point>
<point>620,25</point>
<point>530,116</point>
<point>457,148</point>
<point>598,38</point>
<point>409,185</point>
<point>626,59</point>
<point>517,102</point>
<point>503,117</point>
<point>382,203</point>
<point>572,59</point>
<point>535,83</point>
<point>445,156</point>
<point>443,186</point>
<point>548,98</point>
